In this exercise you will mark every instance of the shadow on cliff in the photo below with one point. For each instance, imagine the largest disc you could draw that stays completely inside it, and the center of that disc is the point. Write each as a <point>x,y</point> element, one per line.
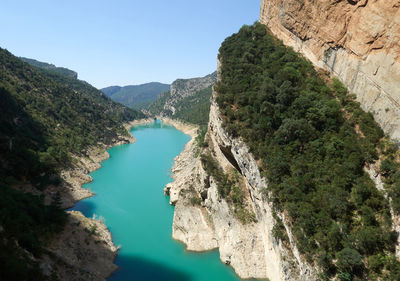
<point>135,268</point>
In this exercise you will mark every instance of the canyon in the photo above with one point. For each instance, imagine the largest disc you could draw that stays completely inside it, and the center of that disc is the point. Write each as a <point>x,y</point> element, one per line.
<point>356,41</point>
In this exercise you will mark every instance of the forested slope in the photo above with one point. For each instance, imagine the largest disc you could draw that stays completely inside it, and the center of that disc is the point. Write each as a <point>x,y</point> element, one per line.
<point>50,67</point>
<point>45,117</point>
<point>312,142</point>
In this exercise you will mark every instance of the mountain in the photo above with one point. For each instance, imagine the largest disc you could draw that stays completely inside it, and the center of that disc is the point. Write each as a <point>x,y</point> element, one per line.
<point>51,67</point>
<point>355,40</point>
<point>48,122</point>
<point>109,91</point>
<point>293,181</point>
<point>188,100</point>
<point>138,96</point>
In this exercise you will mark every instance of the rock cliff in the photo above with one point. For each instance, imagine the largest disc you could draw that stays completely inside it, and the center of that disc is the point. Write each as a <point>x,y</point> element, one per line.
<point>203,220</point>
<point>357,40</point>
<point>181,89</point>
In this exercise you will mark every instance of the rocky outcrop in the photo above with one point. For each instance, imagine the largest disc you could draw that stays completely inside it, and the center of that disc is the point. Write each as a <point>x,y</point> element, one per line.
<point>358,41</point>
<point>182,88</point>
<point>203,220</point>
<point>83,251</point>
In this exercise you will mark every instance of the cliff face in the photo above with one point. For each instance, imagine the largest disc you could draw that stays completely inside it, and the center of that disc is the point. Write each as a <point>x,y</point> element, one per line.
<point>181,89</point>
<point>357,40</point>
<point>249,248</point>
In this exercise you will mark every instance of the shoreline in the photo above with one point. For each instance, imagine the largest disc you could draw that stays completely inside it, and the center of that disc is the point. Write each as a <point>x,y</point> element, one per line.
<point>186,128</point>
<point>96,259</point>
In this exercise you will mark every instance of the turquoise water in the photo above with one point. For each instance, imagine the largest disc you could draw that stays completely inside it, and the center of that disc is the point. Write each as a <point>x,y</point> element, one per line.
<point>129,195</point>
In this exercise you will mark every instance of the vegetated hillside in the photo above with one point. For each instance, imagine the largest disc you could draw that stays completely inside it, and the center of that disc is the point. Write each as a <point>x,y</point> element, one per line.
<point>137,96</point>
<point>195,109</point>
<point>44,118</point>
<point>109,91</point>
<point>312,142</point>
<point>188,100</point>
<point>51,67</point>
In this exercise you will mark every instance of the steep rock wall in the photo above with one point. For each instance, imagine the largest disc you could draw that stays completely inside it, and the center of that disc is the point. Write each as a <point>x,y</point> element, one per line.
<point>182,88</point>
<point>249,248</point>
<point>357,40</point>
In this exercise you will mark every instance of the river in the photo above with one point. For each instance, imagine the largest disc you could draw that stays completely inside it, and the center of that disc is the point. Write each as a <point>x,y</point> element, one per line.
<point>129,196</point>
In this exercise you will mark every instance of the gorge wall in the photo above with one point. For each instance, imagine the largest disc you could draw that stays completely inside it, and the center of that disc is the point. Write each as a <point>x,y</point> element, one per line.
<point>356,40</point>
<point>212,222</point>
<point>168,104</point>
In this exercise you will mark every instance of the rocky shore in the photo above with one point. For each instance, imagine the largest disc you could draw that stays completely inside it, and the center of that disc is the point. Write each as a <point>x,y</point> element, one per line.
<point>188,129</point>
<point>84,250</point>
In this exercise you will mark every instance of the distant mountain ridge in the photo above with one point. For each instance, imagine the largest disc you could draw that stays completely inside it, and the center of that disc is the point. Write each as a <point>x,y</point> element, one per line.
<point>51,67</point>
<point>136,96</point>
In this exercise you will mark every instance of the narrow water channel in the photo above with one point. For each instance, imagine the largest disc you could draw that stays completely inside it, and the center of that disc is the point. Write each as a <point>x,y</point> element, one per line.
<point>129,196</point>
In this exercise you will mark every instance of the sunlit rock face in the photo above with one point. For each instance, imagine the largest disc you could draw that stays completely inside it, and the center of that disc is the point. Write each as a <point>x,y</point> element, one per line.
<point>358,41</point>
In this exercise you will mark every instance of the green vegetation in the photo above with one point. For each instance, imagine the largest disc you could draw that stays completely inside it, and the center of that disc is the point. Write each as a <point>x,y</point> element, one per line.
<point>138,96</point>
<point>27,224</point>
<point>312,141</point>
<point>44,118</point>
<point>195,109</point>
<point>390,171</point>
<point>191,100</point>
<point>52,68</point>
<point>195,200</point>
<point>192,109</point>
<point>158,105</point>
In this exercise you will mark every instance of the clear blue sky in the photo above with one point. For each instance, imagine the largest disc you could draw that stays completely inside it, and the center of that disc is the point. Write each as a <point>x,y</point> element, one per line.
<point>121,42</point>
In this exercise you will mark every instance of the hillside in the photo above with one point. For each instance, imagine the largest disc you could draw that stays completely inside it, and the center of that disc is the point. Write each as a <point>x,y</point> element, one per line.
<point>195,109</point>
<point>51,67</point>
<point>188,100</point>
<point>137,96</point>
<point>46,119</point>
<point>290,180</point>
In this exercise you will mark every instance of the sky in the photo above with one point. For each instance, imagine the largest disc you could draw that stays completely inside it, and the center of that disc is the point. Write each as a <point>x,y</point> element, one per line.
<point>124,42</point>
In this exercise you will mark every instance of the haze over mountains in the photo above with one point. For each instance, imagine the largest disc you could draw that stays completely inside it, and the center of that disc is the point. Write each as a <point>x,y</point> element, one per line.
<point>136,96</point>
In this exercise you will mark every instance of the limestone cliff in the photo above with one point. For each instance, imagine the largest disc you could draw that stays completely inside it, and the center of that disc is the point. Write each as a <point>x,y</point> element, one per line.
<point>211,221</point>
<point>357,40</point>
<point>168,104</point>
